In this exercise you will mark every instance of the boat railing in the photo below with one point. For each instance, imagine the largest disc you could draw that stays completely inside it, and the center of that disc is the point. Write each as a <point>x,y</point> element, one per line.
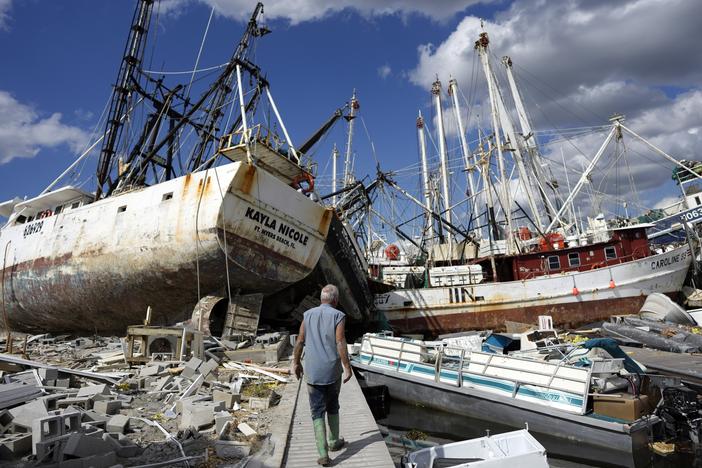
<point>452,365</point>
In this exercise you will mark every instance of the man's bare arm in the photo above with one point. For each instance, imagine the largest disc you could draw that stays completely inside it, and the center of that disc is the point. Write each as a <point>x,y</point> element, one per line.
<point>343,350</point>
<point>297,353</point>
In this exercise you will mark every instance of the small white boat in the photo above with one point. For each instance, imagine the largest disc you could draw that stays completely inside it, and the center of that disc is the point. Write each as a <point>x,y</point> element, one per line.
<point>510,449</point>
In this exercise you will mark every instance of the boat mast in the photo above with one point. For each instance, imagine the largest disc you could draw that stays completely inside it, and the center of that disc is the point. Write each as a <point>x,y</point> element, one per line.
<point>425,176</point>
<point>347,157</point>
<point>481,46</point>
<point>453,92</point>
<point>436,93</point>
<point>335,156</point>
<point>131,62</point>
<point>529,138</point>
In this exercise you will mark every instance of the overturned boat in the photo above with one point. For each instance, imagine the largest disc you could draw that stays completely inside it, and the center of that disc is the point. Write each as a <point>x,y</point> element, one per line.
<point>242,216</point>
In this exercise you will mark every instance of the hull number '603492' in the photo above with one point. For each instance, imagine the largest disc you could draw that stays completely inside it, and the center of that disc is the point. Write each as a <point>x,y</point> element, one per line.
<point>33,228</point>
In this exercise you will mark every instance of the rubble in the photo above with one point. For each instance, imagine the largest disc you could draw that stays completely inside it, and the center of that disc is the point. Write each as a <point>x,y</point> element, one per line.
<point>102,401</point>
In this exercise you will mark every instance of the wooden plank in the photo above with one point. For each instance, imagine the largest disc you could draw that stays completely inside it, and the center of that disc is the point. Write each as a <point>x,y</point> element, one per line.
<point>365,447</point>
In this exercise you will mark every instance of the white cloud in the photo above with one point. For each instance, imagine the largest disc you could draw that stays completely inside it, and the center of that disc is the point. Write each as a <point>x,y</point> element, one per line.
<point>24,132</point>
<point>298,11</point>
<point>384,71</point>
<point>5,6</point>
<point>579,62</point>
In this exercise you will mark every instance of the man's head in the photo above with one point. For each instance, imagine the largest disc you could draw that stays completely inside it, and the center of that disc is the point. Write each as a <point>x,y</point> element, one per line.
<point>330,295</point>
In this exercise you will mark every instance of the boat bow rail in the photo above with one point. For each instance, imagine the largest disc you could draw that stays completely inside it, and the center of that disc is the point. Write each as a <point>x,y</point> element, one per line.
<point>557,385</point>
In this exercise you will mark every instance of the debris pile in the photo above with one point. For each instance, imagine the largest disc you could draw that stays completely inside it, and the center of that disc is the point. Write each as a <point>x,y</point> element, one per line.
<point>96,402</point>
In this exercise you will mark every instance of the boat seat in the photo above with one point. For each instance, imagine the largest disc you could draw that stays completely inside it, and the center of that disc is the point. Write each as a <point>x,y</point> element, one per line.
<point>449,462</point>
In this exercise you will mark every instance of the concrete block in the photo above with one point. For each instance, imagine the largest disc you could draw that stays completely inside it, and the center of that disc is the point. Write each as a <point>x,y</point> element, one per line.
<point>82,445</point>
<point>71,463</point>
<point>191,368</point>
<point>48,374</point>
<point>91,390</point>
<point>150,370</point>
<point>84,402</point>
<point>207,368</point>
<point>63,383</point>
<point>49,450</point>
<point>232,449</point>
<point>145,382</point>
<point>221,418</point>
<point>118,423</point>
<point>94,416</point>
<point>107,406</point>
<point>227,397</point>
<point>47,428</point>
<point>246,429</point>
<point>51,401</point>
<point>23,416</point>
<point>94,424</point>
<point>15,445</point>
<point>5,421</point>
<point>123,447</point>
<point>199,414</point>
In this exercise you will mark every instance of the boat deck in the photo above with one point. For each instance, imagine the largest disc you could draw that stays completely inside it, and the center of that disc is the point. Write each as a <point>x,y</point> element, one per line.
<point>365,447</point>
<point>686,366</point>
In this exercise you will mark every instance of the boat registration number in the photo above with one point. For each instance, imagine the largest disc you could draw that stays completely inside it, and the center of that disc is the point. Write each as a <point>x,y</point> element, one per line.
<point>33,228</point>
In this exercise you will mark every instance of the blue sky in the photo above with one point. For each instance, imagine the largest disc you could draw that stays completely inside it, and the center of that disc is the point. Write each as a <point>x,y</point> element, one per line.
<point>580,62</point>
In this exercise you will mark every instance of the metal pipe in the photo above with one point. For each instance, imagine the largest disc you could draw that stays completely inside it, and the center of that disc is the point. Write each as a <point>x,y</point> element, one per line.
<point>282,125</point>
<point>425,175</point>
<point>436,92</point>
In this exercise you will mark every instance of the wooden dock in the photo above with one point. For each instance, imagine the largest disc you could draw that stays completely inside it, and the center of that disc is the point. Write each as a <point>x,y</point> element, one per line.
<point>365,447</point>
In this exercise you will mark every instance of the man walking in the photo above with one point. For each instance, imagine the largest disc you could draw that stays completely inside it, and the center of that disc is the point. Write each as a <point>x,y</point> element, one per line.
<point>322,336</point>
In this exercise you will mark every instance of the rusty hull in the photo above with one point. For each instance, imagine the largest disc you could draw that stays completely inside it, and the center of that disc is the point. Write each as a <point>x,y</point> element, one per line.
<point>566,315</point>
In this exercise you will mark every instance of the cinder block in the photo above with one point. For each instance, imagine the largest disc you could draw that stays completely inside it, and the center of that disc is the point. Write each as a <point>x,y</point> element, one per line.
<point>91,390</point>
<point>47,428</point>
<point>227,397</point>
<point>118,423</point>
<point>94,416</point>
<point>107,406</point>
<point>82,445</point>
<point>122,446</point>
<point>49,373</point>
<point>25,414</point>
<point>63,383</point>
<point>221,419</point>
<point>162,383</point>
<point>84,402</point>
<point>15,445</point>
<point>207,368</point>
<point>150,371</point>
<point>145,383</point>
<point>191,368</point>
<point>199,415</point>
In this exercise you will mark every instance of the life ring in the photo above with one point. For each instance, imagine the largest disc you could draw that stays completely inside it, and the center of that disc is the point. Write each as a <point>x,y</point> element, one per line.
<point>392,252</point>
<point>598,265</point>
<point>302,178</point>
<point>44,214</point>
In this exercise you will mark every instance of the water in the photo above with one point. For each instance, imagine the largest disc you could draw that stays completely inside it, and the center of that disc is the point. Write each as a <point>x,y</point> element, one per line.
<point>395,418</point>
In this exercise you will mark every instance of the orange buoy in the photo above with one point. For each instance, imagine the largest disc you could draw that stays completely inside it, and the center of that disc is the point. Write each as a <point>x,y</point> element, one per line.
<point>611,284</point>
<point>575,291</point>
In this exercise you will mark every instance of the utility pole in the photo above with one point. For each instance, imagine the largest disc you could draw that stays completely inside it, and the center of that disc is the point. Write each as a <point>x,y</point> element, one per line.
<point>436,93</point>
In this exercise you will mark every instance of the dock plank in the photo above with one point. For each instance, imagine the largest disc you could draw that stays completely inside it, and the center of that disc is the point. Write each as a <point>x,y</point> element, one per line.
<point>687,366</point>
<point>365,446</point>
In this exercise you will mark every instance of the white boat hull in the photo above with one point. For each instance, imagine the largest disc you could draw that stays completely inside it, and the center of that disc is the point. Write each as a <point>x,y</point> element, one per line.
<point>98,267</point>
<point>570,298</point>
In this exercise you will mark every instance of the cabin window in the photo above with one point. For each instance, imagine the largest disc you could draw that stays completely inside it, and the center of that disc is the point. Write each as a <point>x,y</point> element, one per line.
<point>30,219</point>
<point>122,209</point>
<point>167,196</point>
<point>21,219</point>
<point>58,209</point>
<point>574,259</point>
<point>697,200</point>
<point>554,263</point>
<point>610,253</point>
<point>75,205</point>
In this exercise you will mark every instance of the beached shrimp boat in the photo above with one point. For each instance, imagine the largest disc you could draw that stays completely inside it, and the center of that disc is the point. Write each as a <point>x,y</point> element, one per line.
<point>242,214</point>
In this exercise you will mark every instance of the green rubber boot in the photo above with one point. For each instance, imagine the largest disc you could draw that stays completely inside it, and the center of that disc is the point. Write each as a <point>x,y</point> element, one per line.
<point>320,436</point>
<point>335,442</point>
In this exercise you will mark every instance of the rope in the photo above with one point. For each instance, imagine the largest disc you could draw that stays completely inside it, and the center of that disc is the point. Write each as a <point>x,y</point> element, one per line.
<point>4,310</point>
<point>199,53</point>
<point>186,72</point>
